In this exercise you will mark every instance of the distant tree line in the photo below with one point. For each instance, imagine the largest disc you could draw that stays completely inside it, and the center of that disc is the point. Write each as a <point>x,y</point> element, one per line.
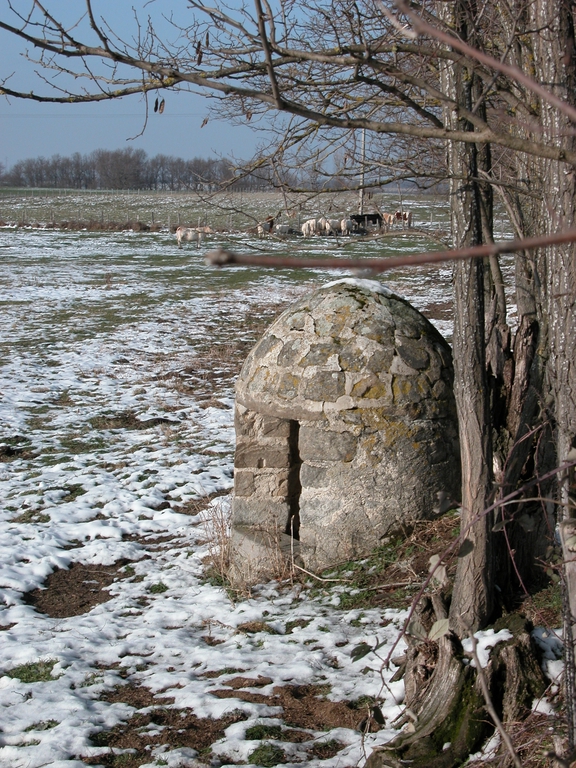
<point>130,169</point>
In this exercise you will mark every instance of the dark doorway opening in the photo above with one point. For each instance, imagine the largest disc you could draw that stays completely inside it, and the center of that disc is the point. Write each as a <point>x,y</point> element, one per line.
<point>294,485</point>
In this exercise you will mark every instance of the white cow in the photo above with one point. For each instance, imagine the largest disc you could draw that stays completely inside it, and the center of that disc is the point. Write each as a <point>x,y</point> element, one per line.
<point>190,235</point>
<point>281,229</point>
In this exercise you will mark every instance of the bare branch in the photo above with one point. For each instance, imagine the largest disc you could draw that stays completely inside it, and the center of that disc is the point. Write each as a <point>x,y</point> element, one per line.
<point>221,257</point>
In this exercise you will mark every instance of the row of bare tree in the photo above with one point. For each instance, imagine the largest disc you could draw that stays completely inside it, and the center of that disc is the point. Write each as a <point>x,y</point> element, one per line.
<point>130,169</point>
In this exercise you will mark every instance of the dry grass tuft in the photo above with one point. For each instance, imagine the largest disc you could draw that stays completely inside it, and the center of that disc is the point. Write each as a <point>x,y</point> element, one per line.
<point>215,520</point>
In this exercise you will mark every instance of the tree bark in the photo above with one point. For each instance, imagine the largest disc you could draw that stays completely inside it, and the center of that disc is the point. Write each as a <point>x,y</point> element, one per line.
<point>472,600</point>
<point>554,56</point>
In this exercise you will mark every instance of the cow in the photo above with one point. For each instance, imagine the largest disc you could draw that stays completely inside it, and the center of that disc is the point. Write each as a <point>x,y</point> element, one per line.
<point>405,217</point>
<point>281,229</point>
<point>347,226</point>
<point>190,235</point>
<point>266,227</point>
<point>367,220</point>
<point>388,220</point>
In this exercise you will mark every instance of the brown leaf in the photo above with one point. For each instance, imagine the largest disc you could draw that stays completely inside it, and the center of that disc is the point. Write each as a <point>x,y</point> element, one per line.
<point>161,107</point>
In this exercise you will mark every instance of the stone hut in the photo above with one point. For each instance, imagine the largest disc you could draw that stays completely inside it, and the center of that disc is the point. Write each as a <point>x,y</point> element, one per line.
<point>346,429</point>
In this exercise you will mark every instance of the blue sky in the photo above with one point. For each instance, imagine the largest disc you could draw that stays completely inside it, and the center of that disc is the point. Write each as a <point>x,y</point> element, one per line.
<point>29,129</point>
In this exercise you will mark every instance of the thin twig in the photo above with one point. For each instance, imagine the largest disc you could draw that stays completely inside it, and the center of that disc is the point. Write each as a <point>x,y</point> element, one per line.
<point>392,584</point>
<point>515,73</point>
<point>319,578</point>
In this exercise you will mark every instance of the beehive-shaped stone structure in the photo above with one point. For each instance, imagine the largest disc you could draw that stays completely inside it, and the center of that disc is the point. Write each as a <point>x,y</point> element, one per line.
<point>346,428</point>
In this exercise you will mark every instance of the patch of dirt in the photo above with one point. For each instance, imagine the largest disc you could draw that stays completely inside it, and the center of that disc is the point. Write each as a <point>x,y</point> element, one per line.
<point>128,420</point>
<point>76,590</point>
<point>15,448</point>
<point>304,707</point>
<point>248,682</point>
<point>220,672</point>
<point>439,310</point>
<point>196,506</point>
<point>136,696</point>
<point>324,750</point>
<point>209,640</point>
<point>159,726</point>
<point>253,627</point>
<point>179,728</point>
<point>150,540</point>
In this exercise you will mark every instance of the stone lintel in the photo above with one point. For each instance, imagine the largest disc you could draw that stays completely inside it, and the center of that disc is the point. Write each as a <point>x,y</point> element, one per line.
<point>295,411</point>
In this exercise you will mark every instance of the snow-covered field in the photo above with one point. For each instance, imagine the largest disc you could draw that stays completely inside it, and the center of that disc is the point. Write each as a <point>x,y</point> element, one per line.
<point>116,384</point>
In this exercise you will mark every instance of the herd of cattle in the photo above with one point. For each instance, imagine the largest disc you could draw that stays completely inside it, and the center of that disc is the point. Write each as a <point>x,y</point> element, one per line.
<point>359,223</point>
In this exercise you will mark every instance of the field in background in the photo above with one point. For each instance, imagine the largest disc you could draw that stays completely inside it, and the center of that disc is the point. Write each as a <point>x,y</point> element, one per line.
<point>222,211</point>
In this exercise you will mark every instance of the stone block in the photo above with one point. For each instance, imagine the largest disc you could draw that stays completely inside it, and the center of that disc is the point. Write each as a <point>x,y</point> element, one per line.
<point>269,512</point>
<point>269,426</point>
<point>243,483</point>
<point>323,445</point>
<point>261,455</point>
<point>259,555</point>
<point>413,353</point>
<point>312,476</point>
<point>325,385</point>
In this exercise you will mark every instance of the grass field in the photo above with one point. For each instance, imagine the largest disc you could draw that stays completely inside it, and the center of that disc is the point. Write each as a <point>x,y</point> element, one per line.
<point>120,647</point>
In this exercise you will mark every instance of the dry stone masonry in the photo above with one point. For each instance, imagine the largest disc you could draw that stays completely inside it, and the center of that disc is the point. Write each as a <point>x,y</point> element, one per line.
<point>346,429</point>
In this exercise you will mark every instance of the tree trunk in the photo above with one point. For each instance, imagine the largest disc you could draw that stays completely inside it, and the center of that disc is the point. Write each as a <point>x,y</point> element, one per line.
<point>451,720</point>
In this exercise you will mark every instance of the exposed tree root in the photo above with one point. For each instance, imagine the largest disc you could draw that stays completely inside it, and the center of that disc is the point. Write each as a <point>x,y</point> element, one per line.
<point>452,720</point>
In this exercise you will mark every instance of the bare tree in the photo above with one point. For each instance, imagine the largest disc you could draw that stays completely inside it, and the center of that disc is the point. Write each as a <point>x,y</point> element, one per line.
<point>481,93</point>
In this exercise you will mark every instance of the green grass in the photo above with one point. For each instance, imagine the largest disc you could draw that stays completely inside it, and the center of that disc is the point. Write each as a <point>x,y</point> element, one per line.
<point>33,672</point>
<point>42,725</point>
<point>32,516</point>
<point>95,678</point>
<point>260,731</point>
<point>157,589</point>
<point>291,625</point>
<point>545,606</point>
<point>267,755</point>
